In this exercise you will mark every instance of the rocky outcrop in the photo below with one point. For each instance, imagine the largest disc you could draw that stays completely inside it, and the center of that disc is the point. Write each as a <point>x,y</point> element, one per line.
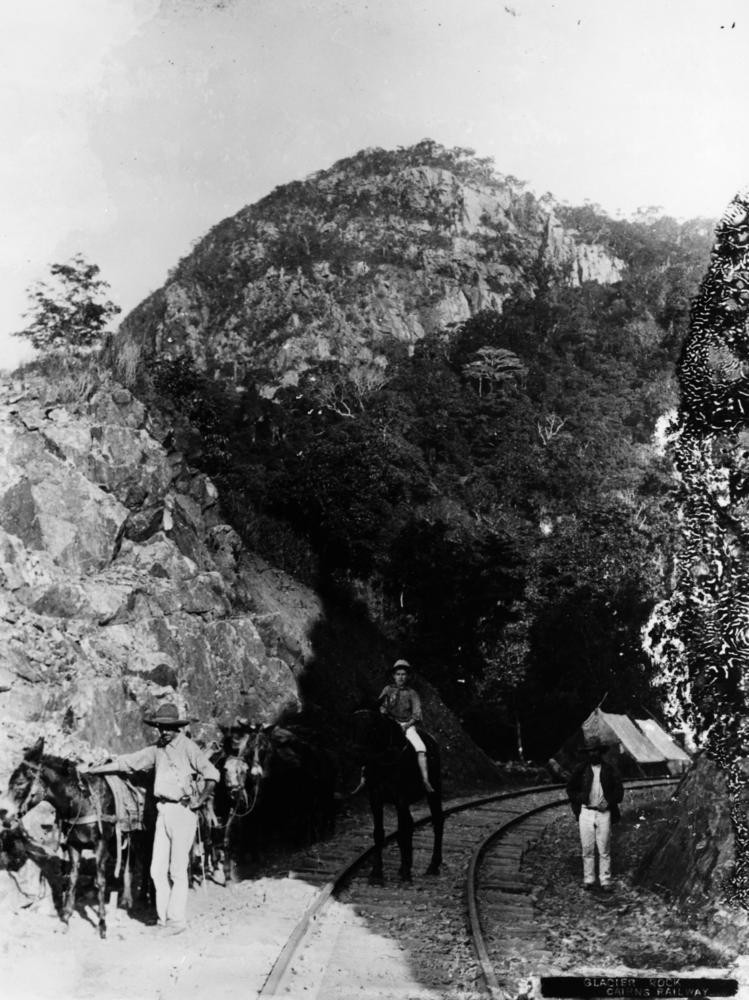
<point>121,586</point>
<point>363,259</point>
<point>693,857</point>
<point>119,583</point>
<point>580,262</point>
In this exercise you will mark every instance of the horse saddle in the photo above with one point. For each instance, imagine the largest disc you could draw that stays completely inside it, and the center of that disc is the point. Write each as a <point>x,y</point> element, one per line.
<point>129,803</point>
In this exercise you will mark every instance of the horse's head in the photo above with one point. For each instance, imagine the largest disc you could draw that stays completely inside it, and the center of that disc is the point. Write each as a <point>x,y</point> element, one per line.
<point>25,788</point>
<point>247,764</point>
<point>373,735</point>
<point>234,773</point>
<point>362,730</point>
<point>259,751</point>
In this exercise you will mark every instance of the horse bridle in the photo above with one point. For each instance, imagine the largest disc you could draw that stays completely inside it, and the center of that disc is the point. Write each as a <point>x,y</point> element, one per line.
<point>242,794</point>
<point>25,806</point>
<point>36,770</point>
<point>250,805</point>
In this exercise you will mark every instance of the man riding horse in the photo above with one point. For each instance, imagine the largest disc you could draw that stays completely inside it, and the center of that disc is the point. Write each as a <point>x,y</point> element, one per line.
<point>399,767</point>
<point>400,702</point>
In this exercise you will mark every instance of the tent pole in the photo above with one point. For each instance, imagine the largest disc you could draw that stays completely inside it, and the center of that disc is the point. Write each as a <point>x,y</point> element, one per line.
<point>655,718</point>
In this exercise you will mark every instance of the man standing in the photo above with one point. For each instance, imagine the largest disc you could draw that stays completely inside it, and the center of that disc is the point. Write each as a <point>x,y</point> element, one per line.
<point>402,703</point>
<point>178,765</point>
<point>595,791</point>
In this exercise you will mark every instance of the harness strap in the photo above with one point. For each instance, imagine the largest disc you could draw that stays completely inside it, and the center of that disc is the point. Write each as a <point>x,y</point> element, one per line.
<point>201,856</point>
<point>89,819</point>
<point>118,839</point>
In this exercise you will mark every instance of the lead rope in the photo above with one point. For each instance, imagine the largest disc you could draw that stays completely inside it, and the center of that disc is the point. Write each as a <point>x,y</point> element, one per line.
<point>201,855</point>
<point>250,805</point>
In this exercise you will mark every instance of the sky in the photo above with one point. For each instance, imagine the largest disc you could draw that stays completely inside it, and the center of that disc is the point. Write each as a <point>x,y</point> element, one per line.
<point>130,127</point>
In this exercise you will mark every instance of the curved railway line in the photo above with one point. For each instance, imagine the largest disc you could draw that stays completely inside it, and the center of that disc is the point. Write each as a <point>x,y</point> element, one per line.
<point>475,913</point>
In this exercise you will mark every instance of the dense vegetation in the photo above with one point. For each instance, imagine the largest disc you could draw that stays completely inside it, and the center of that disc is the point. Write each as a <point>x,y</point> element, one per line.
<point>494,498</point>
<point>487,493</point>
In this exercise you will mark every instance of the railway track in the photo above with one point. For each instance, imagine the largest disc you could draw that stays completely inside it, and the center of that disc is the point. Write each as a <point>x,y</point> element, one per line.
<point>501,897</point>
<point>447,933</point>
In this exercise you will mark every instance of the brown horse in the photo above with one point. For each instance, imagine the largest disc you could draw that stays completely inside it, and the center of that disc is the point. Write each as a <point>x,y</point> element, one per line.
<point>232,801</point>
<point>238,793</point>
<point>391,775</point>
<point>86,813</point>
<point>282,782</point>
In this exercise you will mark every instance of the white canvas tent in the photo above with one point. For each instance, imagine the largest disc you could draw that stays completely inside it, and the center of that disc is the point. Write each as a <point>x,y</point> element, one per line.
<point>678,760</point>
<point>630,746</point>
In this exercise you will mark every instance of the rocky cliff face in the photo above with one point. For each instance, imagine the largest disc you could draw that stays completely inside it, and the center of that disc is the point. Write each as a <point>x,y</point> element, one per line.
<point>121,584</point>
<point>358,261</point>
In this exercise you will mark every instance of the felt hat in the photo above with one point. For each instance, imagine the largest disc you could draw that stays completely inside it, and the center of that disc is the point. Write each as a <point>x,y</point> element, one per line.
<point>399,665</point>
<point>594,743</point>
<point>168,716</point>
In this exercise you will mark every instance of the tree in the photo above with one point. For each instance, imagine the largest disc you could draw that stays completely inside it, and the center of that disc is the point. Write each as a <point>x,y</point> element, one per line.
<point>72,311</point>
<point>494,365</point>
<point>506,658</point>
<point>344,390</point>
<point>591,585</point>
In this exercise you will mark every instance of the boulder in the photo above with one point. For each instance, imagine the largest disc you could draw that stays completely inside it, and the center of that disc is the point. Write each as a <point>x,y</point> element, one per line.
<point>52,507</point>
<point>694,855</point>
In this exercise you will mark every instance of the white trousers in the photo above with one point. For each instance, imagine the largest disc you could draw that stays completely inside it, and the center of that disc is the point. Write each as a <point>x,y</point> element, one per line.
<point>595,832</point>
<point>175,832</point>
<point>415,740</point>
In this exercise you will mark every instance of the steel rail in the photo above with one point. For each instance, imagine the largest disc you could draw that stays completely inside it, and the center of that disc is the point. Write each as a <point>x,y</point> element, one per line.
<point>274,982</point>
<point>487,968</point>
<point>281,966</point>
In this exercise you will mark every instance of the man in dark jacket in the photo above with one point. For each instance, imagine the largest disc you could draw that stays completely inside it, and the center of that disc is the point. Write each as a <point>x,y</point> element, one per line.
<point>595,791</point>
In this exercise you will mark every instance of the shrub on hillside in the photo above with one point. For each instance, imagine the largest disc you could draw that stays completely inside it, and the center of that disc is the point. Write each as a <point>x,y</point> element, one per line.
<point>70,310</point>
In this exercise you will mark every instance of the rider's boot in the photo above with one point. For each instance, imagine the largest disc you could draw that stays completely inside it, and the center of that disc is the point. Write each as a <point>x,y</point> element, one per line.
<point>422,758</point>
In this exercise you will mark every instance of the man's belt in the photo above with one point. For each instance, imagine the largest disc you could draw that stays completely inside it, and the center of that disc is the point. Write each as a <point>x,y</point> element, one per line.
<point>174,802</point>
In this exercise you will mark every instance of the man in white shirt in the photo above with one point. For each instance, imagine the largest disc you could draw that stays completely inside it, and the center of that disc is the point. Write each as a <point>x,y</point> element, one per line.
<point>595,791</point>
<point>184,779</point>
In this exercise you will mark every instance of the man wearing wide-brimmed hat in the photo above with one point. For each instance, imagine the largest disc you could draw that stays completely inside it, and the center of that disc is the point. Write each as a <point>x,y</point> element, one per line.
<point>184,779</point>
<point>595,791</point>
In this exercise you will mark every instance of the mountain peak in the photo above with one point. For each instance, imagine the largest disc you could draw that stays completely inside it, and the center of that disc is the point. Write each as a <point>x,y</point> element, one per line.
<point>360,260</point>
